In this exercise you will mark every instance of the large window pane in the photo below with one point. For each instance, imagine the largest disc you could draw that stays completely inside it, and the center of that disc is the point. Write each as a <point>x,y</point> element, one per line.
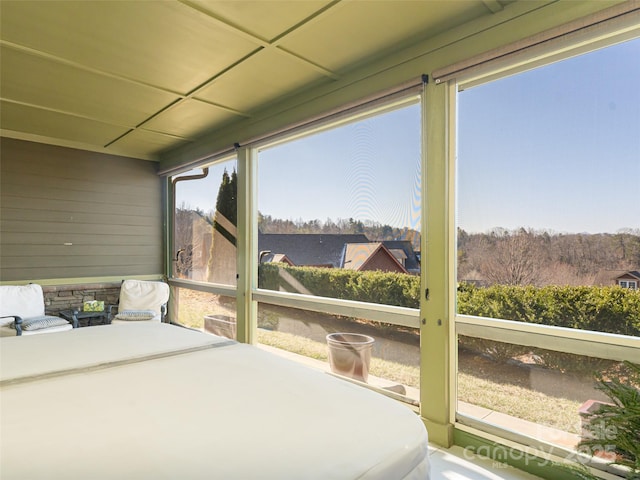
<point>544,235</point>
<point>205,224</point>
<point>339,217</point>
<point>543,160</point>
<point>339,211</point>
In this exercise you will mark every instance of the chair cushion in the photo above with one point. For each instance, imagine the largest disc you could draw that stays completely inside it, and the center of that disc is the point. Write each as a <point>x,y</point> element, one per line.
<point>136,315</point>
<point>44,321</point>
<point>143,295</point>
<point>25,301</point>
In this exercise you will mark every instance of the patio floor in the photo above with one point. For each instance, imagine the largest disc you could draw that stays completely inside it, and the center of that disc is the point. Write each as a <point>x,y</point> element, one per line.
<point>457,464</point>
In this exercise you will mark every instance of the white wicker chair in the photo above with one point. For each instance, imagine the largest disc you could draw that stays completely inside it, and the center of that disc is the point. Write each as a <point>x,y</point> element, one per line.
<point>22,312</point>
<point>141,300</point>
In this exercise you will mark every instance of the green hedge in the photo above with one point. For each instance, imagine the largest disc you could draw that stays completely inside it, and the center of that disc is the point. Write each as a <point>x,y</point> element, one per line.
<point>602,309</point>
<point>375,287</point>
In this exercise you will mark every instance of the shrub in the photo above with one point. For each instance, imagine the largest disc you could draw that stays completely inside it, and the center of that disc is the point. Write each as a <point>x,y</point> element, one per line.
<point>601,309</point>
<point>616,426</point>
<point>386,288</point>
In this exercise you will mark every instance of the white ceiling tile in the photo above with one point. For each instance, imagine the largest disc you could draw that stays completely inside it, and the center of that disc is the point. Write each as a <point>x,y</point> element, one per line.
<point>30,79</point>
<point>189,118</point>
<point>360,30</point>
<point>43,123</point>
<point>264,19</point>
<point>145,143</point>
<point>167,44</point>
<point>263,78</point>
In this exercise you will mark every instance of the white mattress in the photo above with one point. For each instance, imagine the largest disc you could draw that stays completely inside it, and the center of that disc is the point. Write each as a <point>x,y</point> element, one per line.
<point>123,402</point>
<point>95,347</point>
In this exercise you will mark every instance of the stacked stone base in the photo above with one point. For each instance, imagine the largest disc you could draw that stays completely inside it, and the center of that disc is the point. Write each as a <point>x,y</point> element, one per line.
<point>72,297</point>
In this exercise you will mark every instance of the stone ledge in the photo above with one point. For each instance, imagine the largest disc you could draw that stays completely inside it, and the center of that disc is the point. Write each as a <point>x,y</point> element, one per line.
<point>67,297</point>
<point>81,286</point>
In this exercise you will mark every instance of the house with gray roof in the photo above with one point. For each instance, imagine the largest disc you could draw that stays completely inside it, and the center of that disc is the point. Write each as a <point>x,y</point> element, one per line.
<point>317,250</point>
<point>349,251</point>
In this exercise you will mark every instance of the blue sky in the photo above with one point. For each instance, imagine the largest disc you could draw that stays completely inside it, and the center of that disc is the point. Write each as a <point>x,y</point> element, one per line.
<point>556,148</point>
<point>368,170</point>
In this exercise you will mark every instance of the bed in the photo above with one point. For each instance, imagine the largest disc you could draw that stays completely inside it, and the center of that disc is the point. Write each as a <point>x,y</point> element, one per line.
<point>158,401</point>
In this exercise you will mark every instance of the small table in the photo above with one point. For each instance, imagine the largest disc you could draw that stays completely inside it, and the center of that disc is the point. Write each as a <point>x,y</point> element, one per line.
<point>75,317</point>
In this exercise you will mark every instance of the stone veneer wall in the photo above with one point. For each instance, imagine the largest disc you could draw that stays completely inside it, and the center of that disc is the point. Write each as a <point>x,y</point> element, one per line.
<point>65,297</point>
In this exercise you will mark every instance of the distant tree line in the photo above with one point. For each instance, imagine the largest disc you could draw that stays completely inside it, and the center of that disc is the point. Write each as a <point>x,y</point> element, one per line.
<point>528,257</point>
<point>374,231</point>
<point>498,257</point>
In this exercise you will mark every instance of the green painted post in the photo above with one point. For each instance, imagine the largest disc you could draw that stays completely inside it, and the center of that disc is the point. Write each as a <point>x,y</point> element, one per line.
<point>247,240</point>
<point>437,344</point>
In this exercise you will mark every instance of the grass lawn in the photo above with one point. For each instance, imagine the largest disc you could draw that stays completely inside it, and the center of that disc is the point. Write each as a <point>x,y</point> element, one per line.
<point>512,400</point>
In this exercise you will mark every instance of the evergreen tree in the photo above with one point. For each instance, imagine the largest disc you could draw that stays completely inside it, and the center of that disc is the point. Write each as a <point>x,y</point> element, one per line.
<point>226,204</point>
<point>220,268</point>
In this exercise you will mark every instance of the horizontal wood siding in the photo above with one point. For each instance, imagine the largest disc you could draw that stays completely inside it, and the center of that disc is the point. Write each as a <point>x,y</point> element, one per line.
<point>107,207</point>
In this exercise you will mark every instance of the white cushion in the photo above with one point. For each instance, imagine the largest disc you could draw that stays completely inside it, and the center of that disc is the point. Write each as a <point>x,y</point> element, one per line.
<point>8,331</point>
<point>22,300</point>
<point>45,321</point>
<point>59,328</point>
<point>143,295</point>
<point>137,315</point>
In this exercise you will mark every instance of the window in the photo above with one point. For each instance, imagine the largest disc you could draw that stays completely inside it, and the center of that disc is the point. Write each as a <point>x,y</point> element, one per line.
<point>205,224</point>
<point>346,199</point>
<point>528,144</point>
<point>204,242</point>
<point>339,220</point>
<point>537,222</point>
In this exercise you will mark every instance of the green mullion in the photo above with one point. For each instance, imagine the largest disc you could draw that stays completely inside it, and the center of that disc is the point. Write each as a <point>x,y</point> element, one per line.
<point>246,246</point>
<point>436,319</point>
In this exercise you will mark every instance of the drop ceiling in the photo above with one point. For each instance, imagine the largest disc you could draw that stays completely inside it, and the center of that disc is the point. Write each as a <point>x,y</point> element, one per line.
<point>137,78</point>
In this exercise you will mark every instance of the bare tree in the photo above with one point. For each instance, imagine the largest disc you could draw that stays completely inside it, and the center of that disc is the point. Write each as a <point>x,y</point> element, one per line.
<point>513,258</point>
<point>188,240</point>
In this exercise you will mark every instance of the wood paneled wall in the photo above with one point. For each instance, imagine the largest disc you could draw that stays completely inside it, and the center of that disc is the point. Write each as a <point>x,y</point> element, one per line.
<point>67,213</point>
